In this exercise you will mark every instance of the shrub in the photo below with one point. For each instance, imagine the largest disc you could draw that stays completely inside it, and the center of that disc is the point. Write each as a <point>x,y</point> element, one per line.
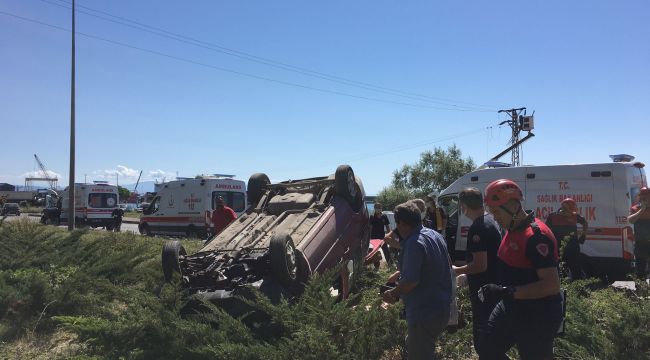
<point>98,291</point>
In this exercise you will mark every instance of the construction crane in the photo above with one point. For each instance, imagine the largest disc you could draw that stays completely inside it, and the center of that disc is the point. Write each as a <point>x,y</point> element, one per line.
<point>46,177</point>
<point>134,193</point>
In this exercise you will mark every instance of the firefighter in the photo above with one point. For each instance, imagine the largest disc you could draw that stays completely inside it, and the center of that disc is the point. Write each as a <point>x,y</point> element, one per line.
<point>640,218</point>
<point>529,309</point>
<point>564,224</point>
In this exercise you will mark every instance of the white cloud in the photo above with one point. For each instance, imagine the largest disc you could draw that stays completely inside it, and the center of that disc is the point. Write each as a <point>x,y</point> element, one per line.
<point>124,173</point>
<point>127,172</point>
<point>39,174</point>
<point>160,175</point>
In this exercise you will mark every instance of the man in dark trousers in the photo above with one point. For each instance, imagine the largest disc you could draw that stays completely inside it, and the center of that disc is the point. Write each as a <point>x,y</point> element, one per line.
<point>436,218</point>
<point>640,218</point>
<point>483,240</point>
<point>564,224</point>
<point>117,214</point>
<point>222,215</point>
<point>529,309</point>
<point>379,227</point>
<point>424,283</point>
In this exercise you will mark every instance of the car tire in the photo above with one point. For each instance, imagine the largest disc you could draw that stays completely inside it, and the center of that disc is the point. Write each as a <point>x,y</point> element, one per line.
<point>346,186</point>
<point>171,253</point>
<point>256,187</point>
<point>284,259</point>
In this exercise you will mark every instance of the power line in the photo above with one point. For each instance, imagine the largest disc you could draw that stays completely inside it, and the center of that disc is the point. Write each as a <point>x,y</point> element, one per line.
<point>393,149</point>
<point>240,73</point>
<point>268,62</point>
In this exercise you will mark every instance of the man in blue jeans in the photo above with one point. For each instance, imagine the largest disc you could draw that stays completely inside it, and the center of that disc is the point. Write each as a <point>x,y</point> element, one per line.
<point>424,282</point>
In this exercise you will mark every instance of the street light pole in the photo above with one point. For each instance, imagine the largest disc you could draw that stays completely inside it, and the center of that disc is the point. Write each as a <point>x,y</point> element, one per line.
<point>71,203</point>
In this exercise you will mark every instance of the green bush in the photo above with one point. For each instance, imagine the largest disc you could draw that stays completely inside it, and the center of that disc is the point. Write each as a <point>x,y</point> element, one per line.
<point>98,291</point>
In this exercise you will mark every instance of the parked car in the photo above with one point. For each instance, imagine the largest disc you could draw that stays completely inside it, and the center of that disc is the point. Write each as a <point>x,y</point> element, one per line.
<point>143,205</point>
<point>293,229</point>
<point>10,209</point>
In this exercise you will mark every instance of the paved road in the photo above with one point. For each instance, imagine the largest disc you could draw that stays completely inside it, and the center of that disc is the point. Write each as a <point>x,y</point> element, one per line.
<point>129,227</point>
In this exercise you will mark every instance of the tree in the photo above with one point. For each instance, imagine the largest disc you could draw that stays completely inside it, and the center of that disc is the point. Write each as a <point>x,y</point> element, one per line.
<point>391,196</point>
<point>436,170</point>
<point>124,193</point>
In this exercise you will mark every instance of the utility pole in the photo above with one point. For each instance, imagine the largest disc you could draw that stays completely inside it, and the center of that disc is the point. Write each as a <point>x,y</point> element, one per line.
<point>517,123</point>
<point>71,203</point>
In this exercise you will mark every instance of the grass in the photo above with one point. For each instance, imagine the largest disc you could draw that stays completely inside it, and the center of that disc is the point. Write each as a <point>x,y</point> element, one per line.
<point>31,210</point>
<point>132,214</point>
<point>92,295</point>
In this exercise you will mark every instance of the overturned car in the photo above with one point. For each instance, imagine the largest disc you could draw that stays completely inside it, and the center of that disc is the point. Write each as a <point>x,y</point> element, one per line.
<point>292,230</point>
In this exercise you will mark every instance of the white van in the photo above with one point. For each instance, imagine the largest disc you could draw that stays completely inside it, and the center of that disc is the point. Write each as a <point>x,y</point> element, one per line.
<point>94,204</point>
<point>603,192</point>
<point>184,207</point>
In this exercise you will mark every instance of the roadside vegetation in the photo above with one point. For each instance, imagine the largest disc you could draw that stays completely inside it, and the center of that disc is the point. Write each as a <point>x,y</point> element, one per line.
<point>89,294</point>
<point>434,171</point>
<point>132,214</point>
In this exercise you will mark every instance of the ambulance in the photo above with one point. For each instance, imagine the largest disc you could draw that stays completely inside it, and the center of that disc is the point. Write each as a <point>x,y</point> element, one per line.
<point>94,204</point>
<point>183,207</point>
<point>603,192</point>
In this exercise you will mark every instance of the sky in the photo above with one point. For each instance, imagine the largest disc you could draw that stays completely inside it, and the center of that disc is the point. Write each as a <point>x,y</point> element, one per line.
<point>295,88</point>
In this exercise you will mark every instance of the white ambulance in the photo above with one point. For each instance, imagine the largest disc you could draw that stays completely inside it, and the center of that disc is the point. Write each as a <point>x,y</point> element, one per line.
<point>94,204</point>
<point>184,207</point>
<point>603,192</point>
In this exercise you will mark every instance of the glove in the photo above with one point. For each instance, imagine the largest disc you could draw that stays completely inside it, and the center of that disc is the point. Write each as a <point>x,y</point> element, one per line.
<point>494,292</point>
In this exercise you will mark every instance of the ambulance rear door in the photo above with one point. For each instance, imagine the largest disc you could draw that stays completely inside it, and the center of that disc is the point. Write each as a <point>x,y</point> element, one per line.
<point>592,187</point>
<point>233,192</point>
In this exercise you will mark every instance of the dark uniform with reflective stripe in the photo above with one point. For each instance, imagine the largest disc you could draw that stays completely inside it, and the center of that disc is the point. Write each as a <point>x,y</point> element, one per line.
<point>529,324</point>
<point>565,229</point>
<point>641,240</point>
<point>483,235</point>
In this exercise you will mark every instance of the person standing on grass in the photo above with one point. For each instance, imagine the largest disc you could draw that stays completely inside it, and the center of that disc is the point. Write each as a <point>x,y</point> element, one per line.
<point>424,283</point>
<point>528,313</point>
<point>640,218</point>
<point>564,224</point>
<point>483,240</point>
<point>379,226</point>
<point>222,215</point>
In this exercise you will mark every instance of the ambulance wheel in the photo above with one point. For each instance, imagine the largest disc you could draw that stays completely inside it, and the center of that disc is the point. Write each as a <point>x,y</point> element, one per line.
<point>191,232</point>
<point>346,186</point>
<point>171,253</point>
<point>256,187</point>
<point>145,230</point>
<point>284,265</point>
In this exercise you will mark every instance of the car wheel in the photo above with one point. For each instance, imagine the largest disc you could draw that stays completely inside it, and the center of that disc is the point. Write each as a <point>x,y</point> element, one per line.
<point>171,253</point>
<point>346,185</point>
<point>256,187</point>
<point>284,265</point>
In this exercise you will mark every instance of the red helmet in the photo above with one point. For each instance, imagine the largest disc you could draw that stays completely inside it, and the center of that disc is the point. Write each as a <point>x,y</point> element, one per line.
<point>501,191</point>
<point>644,193</point>
<point>570,204</point>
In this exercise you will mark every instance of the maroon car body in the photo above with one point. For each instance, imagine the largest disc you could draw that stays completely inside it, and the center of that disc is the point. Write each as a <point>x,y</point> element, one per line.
<point>293,230</point>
